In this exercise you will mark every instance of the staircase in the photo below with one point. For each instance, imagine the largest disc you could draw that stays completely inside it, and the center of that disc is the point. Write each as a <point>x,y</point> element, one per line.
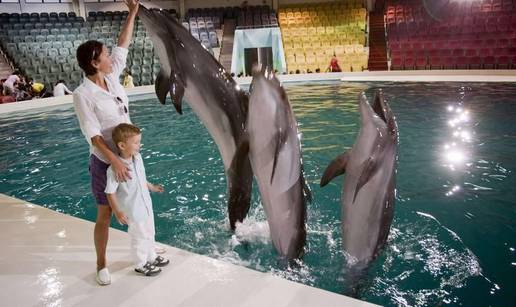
<point>5,68</point>
<point>377,44</point>
<point>226,51</point>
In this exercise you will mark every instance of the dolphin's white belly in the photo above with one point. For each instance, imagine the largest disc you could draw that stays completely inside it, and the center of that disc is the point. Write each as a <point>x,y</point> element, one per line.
<point>215,121</point>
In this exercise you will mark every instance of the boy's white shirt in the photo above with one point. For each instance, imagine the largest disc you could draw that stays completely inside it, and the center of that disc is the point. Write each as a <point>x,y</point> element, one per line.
<point>133,196</point>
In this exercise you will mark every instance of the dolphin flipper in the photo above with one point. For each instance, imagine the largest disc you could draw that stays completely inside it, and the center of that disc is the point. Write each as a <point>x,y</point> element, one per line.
<point>336,168</point>
<point>162,86</point>
<point>369,167</point>
<point>177,91</point>
<point>240,183</point>
<point>281,139</point>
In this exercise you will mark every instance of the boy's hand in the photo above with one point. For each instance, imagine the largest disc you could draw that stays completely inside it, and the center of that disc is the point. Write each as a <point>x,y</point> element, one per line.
<point>156,188</point>
<point>121,217</point>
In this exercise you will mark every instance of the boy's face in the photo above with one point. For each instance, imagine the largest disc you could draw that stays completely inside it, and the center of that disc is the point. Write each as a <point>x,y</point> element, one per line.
<point>132,145</point>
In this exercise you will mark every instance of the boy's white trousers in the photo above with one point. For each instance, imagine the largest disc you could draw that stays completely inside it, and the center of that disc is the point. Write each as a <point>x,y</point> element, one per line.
<point>142,241</point>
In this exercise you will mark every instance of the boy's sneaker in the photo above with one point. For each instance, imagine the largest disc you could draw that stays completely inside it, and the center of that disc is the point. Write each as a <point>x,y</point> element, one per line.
<point>148,270</point>
<point>160,262</point>
<point>160,250</point>
<point>103,277</point>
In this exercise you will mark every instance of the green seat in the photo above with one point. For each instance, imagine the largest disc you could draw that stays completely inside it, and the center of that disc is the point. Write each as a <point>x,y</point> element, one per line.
<point>57,45</point>
<point>44,32</point>
<point>61,37</point>
<point>40,38</point>
<point>64,76</point>
<point>65,31</point>
<point>43,69</point>
<point>61,59</point>
<point>51,38</point>
<point>64,51</point>
<point>77,43</point>
<point>52,52</point>
<point>54,31</point>
<point>67,67</point>
<point>146,69</point>
<point>81,37</point>
<point>68,44</point>
<point>70,37</point>
<point>46,45</point>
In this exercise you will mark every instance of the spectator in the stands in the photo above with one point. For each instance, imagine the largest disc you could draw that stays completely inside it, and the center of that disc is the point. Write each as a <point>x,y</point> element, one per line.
<point>334,65</point>
<point>60,89</point>
<point>10,83</point>
<point>35,88</point>
<point>128,79</point>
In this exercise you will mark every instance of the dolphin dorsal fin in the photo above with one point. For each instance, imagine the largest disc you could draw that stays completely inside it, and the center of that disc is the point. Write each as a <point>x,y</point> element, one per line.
<point>336,168</point>
<point>369,168</point>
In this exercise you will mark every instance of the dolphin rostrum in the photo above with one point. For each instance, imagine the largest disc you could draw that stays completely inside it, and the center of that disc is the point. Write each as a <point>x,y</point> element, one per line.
<point>368,192</point>
<point>275,153</point>
<point>189,70</point>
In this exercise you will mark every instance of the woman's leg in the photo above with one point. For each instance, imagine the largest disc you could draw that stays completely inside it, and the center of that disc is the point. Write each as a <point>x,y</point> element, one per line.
<point>101,234</point>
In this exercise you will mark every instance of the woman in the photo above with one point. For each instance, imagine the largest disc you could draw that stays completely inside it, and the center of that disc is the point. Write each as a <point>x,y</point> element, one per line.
<point>101,104</point>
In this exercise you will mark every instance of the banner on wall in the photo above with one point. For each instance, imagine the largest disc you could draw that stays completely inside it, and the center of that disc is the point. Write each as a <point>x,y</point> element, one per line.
<point>257,38</point>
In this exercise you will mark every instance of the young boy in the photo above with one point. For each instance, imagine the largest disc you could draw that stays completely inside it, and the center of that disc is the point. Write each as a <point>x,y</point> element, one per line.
<point>131,203</point>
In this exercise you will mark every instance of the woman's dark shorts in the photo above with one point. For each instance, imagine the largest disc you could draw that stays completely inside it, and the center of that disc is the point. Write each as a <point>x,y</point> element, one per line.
<point>98,170</point>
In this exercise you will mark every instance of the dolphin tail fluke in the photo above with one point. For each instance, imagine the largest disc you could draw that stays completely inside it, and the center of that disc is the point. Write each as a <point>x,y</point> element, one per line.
<point>336,168</point>
<point>369,167</point>
<point>240,182</point>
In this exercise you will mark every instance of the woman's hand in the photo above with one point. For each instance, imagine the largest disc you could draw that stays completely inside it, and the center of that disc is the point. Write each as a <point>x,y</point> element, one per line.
<point>132,5</point>
<point>122,172</point>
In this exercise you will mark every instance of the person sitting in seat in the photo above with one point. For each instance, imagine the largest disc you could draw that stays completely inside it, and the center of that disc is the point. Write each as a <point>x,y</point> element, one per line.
<point>60,89</point>
<point>334,65</point>
<point>128,79</point>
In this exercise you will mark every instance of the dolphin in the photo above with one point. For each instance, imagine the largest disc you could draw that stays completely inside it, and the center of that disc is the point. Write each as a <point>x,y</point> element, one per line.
<point>189,70</point>
<point>368,192</point>
<point>275,153</point>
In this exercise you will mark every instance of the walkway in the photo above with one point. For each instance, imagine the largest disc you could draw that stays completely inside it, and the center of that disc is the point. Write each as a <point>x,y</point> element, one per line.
<point>48,260</point>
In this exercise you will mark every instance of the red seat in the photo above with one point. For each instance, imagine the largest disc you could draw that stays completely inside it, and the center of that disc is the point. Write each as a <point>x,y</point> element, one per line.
<point>445,53</point>
<point>502,43</point>
<point>484,52</point>
<point>449,63</point>
<point>436,62</point>
<point>397,64</point>
<point>471,52</point>
<point>475,62</point>
<point>503,62</point>
<point>409,63</point>
<point>462,63</point>
<point>490,62</point>
<point>421,63</point>
<point>458,52</point>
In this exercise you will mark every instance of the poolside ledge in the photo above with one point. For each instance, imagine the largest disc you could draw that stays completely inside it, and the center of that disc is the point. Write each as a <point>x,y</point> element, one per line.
<point>366,76</point>
<point>48,259</point>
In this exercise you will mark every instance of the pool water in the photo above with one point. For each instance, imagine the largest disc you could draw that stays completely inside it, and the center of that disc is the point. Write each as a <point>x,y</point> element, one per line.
<point>453,237</point>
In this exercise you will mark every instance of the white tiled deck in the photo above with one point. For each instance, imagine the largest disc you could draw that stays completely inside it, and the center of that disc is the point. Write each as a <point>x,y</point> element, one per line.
<point>48,259</point>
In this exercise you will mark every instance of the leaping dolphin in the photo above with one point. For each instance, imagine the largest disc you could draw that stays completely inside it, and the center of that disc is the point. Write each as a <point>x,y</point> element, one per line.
<point>369,187</point>
<point>189,70</point>
<point>275,153</point>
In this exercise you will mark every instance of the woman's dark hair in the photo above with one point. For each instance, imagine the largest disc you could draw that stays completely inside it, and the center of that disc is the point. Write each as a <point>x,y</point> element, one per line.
<point>87,52</point>
<point>59,81</point>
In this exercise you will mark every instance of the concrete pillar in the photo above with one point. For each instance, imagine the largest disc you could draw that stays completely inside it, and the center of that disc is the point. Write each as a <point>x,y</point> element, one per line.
<point>182,10</point>
<point>79,8</point>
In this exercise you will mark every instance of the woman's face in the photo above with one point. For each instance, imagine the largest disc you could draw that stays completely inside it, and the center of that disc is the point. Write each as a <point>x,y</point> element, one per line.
<point>103,62</point>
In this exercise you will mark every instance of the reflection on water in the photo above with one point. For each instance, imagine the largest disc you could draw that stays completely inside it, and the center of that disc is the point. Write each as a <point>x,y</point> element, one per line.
<point>453,234</point>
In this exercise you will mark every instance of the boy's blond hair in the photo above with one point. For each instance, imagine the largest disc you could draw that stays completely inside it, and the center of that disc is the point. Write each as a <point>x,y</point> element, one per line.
<point>123,132</point>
